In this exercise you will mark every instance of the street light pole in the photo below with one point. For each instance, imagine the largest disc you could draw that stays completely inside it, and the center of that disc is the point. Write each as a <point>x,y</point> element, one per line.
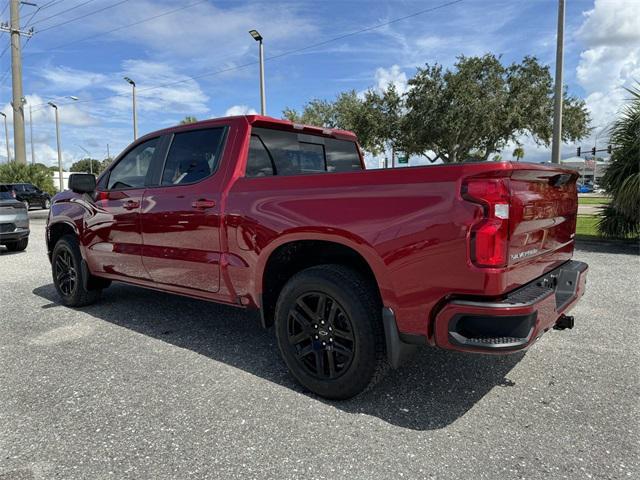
<point>33,154</point>
<point>55,107</point>
<point>557,100</point>
<point>60,177</point>
<point>135,116</point>
<point>6,134</point>
<point>263,101</point>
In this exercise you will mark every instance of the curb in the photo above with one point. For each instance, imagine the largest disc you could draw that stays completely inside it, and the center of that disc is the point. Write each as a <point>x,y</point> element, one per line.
<point>608,246</point>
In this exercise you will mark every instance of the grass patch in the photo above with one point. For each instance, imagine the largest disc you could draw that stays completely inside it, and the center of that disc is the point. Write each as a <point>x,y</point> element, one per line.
<point>587,226</point>
<point>593,200</point>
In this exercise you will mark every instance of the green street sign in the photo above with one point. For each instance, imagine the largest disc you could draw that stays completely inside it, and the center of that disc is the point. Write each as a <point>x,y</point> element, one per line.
<point>403,159</point>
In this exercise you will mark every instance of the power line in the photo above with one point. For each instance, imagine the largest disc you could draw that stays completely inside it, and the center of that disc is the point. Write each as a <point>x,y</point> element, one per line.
<point>122,27</point>
<point>83,16</point>
<point>64,11</point>
<point>273,57</point>
<point>50,4</point>
<point>36,12</point>
<point>2,13</point>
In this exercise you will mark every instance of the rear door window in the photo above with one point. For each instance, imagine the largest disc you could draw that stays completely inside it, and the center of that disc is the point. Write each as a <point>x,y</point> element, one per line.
<point>292,153</point>
<point>259,161</point>
<point>193,156</point>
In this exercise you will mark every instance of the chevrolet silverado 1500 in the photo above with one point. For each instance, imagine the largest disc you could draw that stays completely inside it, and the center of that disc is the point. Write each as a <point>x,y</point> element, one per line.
<point>354,268</point>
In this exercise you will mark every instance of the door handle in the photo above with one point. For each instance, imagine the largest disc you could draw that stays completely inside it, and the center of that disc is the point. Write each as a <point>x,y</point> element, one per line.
<point>131,204</point>
<point>203,203</point>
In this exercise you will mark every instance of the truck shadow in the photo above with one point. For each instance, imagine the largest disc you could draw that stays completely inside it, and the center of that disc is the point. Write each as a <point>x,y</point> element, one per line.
<point>430,392</point>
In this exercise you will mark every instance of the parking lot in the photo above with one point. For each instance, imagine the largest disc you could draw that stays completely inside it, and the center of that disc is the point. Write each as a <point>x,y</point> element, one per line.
<point>148,385</point>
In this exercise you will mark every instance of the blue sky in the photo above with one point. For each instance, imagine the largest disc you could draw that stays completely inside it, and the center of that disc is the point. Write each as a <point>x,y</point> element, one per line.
<point>86,58</point>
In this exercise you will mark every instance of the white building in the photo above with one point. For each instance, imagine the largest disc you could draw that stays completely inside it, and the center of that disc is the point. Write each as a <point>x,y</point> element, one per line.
<point>65,180</point>
<point>587,168</point>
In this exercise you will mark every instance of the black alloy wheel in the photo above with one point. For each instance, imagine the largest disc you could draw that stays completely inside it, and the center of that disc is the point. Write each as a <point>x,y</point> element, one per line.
<point>321,335</point>
<point>65,272</point>
<point>75,285</point>
<point>329,329</point>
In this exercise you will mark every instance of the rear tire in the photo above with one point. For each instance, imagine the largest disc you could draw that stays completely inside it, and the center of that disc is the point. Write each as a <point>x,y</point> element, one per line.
<point>330,332</point>
<point>68,274</point>
<point>18,246</point>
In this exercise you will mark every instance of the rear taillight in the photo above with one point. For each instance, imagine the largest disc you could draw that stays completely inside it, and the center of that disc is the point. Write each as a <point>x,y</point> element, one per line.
<point>489,239</point>
<point>13,193</point>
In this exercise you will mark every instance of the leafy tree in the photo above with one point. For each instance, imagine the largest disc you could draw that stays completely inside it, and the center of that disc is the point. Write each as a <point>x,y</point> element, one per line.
<point>87,165</point>
<point>622,179</point>
<point>475,109</point>
<point>518,152</point>
<point>317,112</point>
<point>384,126</point>
<point>105,163</point>
<point>375,119</point>
<point>38,175</point>
<point>188,119</point>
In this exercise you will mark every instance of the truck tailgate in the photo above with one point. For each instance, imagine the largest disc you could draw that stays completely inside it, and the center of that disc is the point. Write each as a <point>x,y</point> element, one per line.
<point>544,206</point>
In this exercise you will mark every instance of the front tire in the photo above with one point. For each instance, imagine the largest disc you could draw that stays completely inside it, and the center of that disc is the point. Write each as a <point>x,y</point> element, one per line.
<point>330,332</point>
<point>68,274</point>
<point>46,204</point>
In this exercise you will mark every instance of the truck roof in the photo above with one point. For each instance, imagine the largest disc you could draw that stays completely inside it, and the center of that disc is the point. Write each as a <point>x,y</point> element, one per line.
<point>263,121</point>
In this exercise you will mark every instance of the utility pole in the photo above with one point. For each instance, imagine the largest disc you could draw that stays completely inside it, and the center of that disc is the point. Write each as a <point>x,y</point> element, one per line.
<point>16,78</point>
<point>557,100</point>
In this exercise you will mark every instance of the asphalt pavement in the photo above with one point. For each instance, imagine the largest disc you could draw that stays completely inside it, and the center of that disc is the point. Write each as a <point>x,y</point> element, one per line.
<point>148,385</point>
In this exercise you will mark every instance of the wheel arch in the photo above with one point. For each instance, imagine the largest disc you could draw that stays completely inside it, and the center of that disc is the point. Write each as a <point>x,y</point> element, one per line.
<point>56,230</point>
<point>294,253</point>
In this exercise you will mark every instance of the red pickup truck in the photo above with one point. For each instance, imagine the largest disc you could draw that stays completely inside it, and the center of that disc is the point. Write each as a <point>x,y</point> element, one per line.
<point>353,267</point>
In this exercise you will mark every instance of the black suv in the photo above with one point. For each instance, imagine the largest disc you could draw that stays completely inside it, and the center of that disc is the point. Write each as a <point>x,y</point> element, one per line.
<point>28,194</point>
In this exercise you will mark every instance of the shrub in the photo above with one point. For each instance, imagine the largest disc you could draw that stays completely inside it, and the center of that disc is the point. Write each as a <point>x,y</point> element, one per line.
<point>37,174</point>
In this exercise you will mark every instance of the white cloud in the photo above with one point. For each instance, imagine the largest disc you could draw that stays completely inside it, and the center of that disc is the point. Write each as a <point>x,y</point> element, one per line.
<point>239,110</point>
<point>391,76</point>
<point>179,94</point>
<point>612,22</point>
<point>207,30</point>
<point>611,59</point>
<point>69,113</point>
<point>70,79</point>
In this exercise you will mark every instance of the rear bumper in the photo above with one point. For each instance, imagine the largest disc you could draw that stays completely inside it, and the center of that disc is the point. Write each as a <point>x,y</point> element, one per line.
<point>516,321</point>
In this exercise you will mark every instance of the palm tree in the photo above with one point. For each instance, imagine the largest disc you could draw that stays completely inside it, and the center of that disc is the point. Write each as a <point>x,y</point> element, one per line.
<point>518,152</point>
<point>621,218</point>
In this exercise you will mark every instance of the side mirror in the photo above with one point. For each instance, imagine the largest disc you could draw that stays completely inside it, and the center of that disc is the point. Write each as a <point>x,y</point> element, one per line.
<point>82,182</point>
